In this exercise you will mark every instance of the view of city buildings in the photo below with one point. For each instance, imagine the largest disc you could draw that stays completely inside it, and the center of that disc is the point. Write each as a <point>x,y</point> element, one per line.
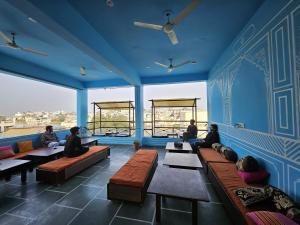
<point>23,123</point>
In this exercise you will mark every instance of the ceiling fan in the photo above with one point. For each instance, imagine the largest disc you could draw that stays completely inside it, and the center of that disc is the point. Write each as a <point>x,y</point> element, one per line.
<point>11,43</point>
<point>171,67</point>
<point>168,27</point>
<point>82,71</point>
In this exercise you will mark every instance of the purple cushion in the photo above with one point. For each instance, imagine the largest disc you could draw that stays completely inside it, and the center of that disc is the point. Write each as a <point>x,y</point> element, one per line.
<point>253,177</point>
<point>2,148</point>
<point>6,152</point>
<point>269,218</point>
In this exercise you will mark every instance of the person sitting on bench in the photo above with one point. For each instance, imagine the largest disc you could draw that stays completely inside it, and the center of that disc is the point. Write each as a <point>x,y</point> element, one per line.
<point>191,132</point>
<point>50,139</point>
<point>73,145</point>
<point>211,137</point>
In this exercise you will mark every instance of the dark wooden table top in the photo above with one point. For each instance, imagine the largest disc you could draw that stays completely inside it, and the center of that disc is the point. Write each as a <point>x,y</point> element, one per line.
<point>45,152</point>
<point>178,183</point>
<point>182,159</point>
<point>88,140</point>
<point>186,147</point>
<point>6,164</point>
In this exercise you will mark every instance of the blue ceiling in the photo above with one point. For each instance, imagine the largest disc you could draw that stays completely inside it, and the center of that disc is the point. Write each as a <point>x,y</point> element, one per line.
<point>103,39</point>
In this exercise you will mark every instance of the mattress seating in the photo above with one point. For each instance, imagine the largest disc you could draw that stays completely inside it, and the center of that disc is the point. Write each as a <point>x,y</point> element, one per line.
<point>57,171</point>
<point>131,181</point>
<point>225,179</point>
<point>207,155</point>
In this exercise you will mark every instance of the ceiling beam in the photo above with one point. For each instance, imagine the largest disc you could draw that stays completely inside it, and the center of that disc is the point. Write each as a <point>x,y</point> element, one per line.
<point>36,72</point>
<point>169,78</point>
<point>62,19</point>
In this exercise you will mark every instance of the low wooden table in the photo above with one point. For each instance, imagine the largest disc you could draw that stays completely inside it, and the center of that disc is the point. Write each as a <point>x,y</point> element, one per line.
<point>89,141</point>
<point>186,147</point>
<point>8,167</point>
<point>178,183</point>
<point>182,160</point>
<point>45,154</point>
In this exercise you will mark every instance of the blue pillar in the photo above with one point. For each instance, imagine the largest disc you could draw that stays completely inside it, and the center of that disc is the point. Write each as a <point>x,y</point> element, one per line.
<point>82,107</point>
<point>139,113</point>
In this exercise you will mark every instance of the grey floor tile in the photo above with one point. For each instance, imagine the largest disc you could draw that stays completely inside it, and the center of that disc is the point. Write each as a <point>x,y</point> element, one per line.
<point>177,204</point>
<point>97,212</point>
<point>7,189</point>
<point>169,217</point>
<point>56,215</point>
<point>103,193</point>
<point>32,208</point>
<point>99,179</point>
<point>9,203</point>
<point>79,197</point>
<point>213,214</point>
<point>124,221</point>
<point>29,191</point>
<point>144,211</point>
<point>13,220</point>
<point>69,185</point>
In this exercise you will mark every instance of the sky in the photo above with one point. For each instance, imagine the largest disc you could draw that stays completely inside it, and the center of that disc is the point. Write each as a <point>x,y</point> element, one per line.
<point>21,95</point>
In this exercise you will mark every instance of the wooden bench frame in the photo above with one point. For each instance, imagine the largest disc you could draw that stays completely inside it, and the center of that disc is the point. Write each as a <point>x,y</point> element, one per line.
<point>56,178</point>
<point>130,193</point>
<point>236,217</point>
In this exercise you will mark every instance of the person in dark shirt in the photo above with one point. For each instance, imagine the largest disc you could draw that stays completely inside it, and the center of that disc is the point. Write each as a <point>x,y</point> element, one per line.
<point>191,132</point>
<point>73,145</point>
<point>211,138</point>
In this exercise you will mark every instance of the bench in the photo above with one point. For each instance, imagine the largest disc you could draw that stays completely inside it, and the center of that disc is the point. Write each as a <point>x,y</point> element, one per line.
<point>58,171</point>
<point>208,155</point>
<point>131,181</point>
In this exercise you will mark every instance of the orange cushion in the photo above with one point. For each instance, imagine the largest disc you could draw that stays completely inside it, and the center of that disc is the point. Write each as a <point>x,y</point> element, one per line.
<point>135,172</point>
<point>209,155</point>
<point>25,146</point>
<point>64,162</point>
<point>227,175</point>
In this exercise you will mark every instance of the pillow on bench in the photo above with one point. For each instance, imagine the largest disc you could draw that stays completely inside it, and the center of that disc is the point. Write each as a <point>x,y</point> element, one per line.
<point>251,195</point>
<point>253,177</point>
<point>6,152</point>
<point>269,218</point>
<point>25,146</point>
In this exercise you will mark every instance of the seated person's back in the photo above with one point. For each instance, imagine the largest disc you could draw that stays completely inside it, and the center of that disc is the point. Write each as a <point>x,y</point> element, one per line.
<point>191,132</point>
<point>73,145</point>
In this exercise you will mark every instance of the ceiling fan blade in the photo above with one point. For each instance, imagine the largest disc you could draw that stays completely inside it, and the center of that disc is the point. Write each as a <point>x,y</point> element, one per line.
<point>182,64</point>
<point>162,65</point>
<point>186,11</point>
<point>148,25</point>
<point>4,37</point>
<point>173,37</point>
<point>34,51</point>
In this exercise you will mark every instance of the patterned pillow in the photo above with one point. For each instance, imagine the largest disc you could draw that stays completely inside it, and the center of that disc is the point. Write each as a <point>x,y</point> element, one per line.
<point>25,146</point>
<point>251,195</point>
<point>294,214</point>
<point>224,148</point>
<point>281,200</point>
<point>269,218</point>
<point>6,152</point>
<point>216,147</point>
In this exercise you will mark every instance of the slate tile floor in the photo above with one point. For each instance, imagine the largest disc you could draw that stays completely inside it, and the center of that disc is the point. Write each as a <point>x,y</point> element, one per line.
<point>82,201</point>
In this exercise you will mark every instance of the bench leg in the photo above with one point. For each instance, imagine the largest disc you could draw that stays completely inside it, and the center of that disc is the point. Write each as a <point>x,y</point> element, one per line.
<point>23,176</point>
<point>194,212</point>
<point>158,208</point>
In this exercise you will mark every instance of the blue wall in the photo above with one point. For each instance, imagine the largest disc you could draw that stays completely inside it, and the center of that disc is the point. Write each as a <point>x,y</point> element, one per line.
<point>36,139</point>
<point>256,81</point>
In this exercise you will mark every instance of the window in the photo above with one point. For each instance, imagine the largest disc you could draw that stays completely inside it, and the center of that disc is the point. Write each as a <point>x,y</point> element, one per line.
<point>27,106</point>
<point>112,118</point>
<point>174,121</point>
